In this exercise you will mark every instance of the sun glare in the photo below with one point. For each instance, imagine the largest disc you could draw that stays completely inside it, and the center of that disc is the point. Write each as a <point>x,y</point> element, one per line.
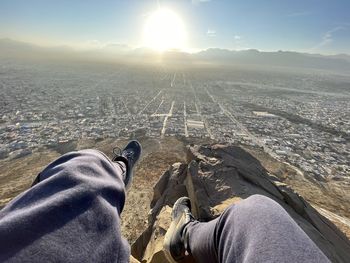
<point>164,30</point>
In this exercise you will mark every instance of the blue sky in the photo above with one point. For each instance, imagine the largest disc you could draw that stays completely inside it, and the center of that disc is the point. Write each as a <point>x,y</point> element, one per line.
<point>315,26</point>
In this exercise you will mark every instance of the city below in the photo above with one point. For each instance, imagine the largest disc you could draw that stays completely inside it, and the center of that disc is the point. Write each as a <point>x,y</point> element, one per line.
<point>300,117</point>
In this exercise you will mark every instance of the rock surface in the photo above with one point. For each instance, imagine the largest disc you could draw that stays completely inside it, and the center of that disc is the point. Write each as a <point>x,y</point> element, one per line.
<point>217,176</point>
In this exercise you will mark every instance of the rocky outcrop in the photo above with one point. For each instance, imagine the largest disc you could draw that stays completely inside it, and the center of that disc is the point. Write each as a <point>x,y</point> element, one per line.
<point>217,176</point>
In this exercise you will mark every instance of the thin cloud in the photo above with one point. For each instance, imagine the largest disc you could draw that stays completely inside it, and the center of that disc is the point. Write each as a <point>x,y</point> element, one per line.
<point>211,33</point>
<point>238,42</point>
<point>93,43</point>
<point>196,2</point>
<point>328,37</point>
<point>298,14</point>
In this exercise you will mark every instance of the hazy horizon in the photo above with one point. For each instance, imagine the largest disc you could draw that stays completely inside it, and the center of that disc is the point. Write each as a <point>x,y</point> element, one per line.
<point>114,53</point>
<point>126,47</point>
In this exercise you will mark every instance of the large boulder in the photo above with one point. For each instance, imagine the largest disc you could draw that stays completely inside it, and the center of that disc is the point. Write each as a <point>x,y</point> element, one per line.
<point>217,176</point>
<point>148,247</point>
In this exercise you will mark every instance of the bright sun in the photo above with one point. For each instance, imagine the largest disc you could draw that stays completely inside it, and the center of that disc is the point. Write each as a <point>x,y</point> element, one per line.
<point>163,30</point>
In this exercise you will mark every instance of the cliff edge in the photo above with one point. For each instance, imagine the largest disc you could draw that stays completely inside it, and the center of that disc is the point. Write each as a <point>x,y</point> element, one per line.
<point>216,176</point>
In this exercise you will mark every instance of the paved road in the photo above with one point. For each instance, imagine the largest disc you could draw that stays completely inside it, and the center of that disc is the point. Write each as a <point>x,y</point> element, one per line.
<point>162,134</point>
<point>185,120</point>
<point>150,102</point>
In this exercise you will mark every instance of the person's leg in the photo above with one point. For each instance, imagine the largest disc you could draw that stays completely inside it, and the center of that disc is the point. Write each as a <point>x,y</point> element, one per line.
<point>71,214</point>
<point>257,229</point>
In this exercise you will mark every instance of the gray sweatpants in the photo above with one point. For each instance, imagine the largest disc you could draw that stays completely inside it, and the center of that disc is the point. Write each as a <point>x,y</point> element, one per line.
<point>73,215</point>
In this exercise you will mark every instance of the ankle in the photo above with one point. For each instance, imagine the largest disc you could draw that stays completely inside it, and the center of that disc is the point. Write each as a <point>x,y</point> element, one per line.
<point>122,166</point>
<point>122,162</point>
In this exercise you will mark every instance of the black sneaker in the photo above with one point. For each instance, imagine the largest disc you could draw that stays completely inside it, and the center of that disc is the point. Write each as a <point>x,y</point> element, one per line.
<point>129,155</point>
<point>175,240</point>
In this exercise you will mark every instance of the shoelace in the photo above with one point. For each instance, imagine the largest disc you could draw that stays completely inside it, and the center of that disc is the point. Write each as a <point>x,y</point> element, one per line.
<point>117,151</point>
<point>129,155</point>
<point>189,215</point>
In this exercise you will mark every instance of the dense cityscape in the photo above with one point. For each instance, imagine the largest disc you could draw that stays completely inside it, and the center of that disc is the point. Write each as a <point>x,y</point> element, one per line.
<point>300,118</point>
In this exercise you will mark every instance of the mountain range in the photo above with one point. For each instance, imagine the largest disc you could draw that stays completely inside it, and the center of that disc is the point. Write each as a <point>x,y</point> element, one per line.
<point>115,52</point>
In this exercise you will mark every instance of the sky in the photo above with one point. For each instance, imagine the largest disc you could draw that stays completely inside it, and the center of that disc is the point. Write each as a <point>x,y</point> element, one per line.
<point>313,26</point>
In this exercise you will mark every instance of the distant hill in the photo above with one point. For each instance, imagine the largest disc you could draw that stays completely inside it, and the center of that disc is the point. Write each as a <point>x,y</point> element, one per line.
<point>279,58</point>
<point>10,48</point>
<point>15,49</point>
